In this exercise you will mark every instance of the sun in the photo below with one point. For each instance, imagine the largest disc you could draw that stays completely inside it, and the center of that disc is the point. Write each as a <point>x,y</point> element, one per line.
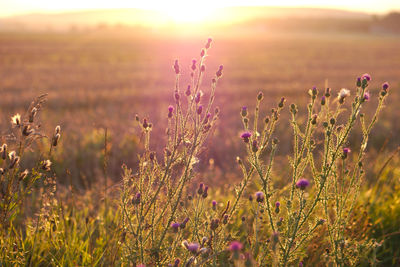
<point>187,12</point>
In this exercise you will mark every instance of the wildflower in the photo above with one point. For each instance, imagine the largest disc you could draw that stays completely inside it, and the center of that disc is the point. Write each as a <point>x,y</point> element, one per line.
<point>323,100</point>
<point>302,183</point>
<point>202,53</point>
<point>14,159</point>
<point>208,44</point>
<point>358,83</point>
<point>16,120</point>
<point>205,194</point>
<point>260,96</point>
<point>244,111</point>
<point>328,92</point>
<point>176,67</point>
<point>176,263</point>
<point>214,224</point>
<point>279,223</point>
<point>219,72</point>
<point>314,119</point>
<point>188,92</point>
<point>193,247</point>
<point>366,96</point>
<point>254,146</point>
<point>170,110</point>
<point>225,219</point>
<point>200,109</point>
<point>346,150</point>
<point>343,94</point>
<point>175,227</point>
<point>366,76</point>
<point>235,246</point>
<point>277,205</point>
<point>300,264</point>
<point>259,196</point>
<point>246,136</point>
<point>385,86</point>
<point>197,98</point>
<point>203,68</point>
<point>321,221</point>
<point>193,67</point>
<point>46,165</point>
<point>145,124</point>
<point>214,205</point>
<point>201,189</point>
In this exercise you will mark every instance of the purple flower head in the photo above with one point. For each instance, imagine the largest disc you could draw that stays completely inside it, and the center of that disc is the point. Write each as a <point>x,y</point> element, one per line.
<point>183,224</point>
<point>385,86</point>
<point>193,247</point>
<point>176,263</point>
<point>366,96</point>
<point>255,146</point>
<point>277,204</point>
<point>170,109</point>
<point>302,183</point>
<point>219,72</point>
<point>205,193</point>
<point>300,264</point>
<point>346,150</point>
<point>214,203</point>
<point>137,198</point>
<point>198,96</point>
<point>259,196</point>
<point>366,76</point>
<point>245,136</point>
<point>235,246</point>
<point>175,226</point>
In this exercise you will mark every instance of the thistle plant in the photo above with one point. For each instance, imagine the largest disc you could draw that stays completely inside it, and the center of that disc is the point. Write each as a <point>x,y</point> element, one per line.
<point>325,179</point>
<point>153,198</point>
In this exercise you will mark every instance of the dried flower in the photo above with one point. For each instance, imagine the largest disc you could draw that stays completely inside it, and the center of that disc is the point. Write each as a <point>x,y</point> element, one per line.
<point>32,114</point>
<point>343,94</point>
<point>16,120</point>
<point>346,150</point>
<point>302,183</point>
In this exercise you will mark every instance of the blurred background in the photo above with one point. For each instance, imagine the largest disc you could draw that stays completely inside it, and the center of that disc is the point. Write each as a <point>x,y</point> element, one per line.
<point>102,62</point>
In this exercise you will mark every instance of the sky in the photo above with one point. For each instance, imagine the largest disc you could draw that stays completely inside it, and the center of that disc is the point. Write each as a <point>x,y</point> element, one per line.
<point>17,7</point>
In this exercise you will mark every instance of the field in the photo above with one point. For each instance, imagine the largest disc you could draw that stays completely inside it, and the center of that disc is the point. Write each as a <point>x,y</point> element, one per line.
<point>97,82</point>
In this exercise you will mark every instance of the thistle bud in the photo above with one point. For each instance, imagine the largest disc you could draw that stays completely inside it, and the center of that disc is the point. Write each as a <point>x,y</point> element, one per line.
<point>219,72</point>
<point>254,146</point>
<point>323,100</point>
<point>200,109</point>
<point>208,44</point>
<point>202,53</point>
<point>280,105</point>
<point>203,68</point>
<point>188,92</point>
<point>260,96</point>
<point>193,67</point>
<point>176,67</point>
<point>328,92</point>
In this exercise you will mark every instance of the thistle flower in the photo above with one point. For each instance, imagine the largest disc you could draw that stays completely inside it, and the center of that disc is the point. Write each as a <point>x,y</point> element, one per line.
<point>193,67</point>
<point>214,205</point>
<point>366,76</point>
<point>198,97</point>
<point>46,165</point>
<point>235,246</point>
<point>323,100</point>
<point>259,196</point>
<point>202,52</point>
<point>193,247</point>
<point>343,94</point>
<point>203,68</point>
<point>254,146</point>
<point>277,205</point>
<point>200,109</point>
<point>219,72</point>
<point>366,96</point>
<point>205,194</point>
<point>14,159</point>
<point>302,183</point>
<point>244,111</point>
<point>188,92</point>
<point>201,189</point>
<point>214,224</point>
<point>346,150</point>
<point>385,86</point>
<point>175,227</point>
<point>170,110</point>
<point>208,44</point>
<point>176,67</point>
<point>176,263</point>
<point>245,136</point>
<point>16,120</point>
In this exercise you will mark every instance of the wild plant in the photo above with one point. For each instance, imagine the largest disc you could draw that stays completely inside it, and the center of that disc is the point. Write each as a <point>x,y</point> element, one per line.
<point>325,178</point>
<point>153,200</point>
<point>16,182</point>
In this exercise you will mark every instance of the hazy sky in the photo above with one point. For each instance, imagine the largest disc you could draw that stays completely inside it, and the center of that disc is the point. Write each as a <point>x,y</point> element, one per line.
<point>13,7</point>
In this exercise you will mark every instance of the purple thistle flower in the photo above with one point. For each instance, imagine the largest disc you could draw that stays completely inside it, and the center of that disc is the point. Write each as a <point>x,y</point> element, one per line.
<point>214,204</point>
<point>205,194</point>
<point>183,224</point>
<point>199,109</point>
<point>300,264</point>
<point>277,204</point>
<point>244,111</point>
<point>385,86</point>
<point>366,76</point>
<point>366,96</point>
<point>170,109</point>
<point>194,64</point>
<point>259,196</point>
<point>141,265</point>
<point>175,226</point>
<point>246,136</point>
<point>188,92</point>
<point>193,247</point>
<point>346,150</point>
<point>177,261</point>
<point>302,183</point>
<point>219,72</point>
<point>235,246</point>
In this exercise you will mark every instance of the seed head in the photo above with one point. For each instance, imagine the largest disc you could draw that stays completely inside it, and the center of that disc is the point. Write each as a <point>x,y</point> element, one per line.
<point>16,120</point>
<point>343,94</point>
<point>46,165</point>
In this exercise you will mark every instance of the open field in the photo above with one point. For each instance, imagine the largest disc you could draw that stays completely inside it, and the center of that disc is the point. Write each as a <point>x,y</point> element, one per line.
<point>105,215</point>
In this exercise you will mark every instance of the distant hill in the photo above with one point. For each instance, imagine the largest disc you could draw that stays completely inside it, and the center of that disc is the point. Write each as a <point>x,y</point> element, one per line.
<point>140,17</point>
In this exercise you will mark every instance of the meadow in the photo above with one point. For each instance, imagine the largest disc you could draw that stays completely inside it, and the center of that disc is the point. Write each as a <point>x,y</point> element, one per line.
<point>96,84</point>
